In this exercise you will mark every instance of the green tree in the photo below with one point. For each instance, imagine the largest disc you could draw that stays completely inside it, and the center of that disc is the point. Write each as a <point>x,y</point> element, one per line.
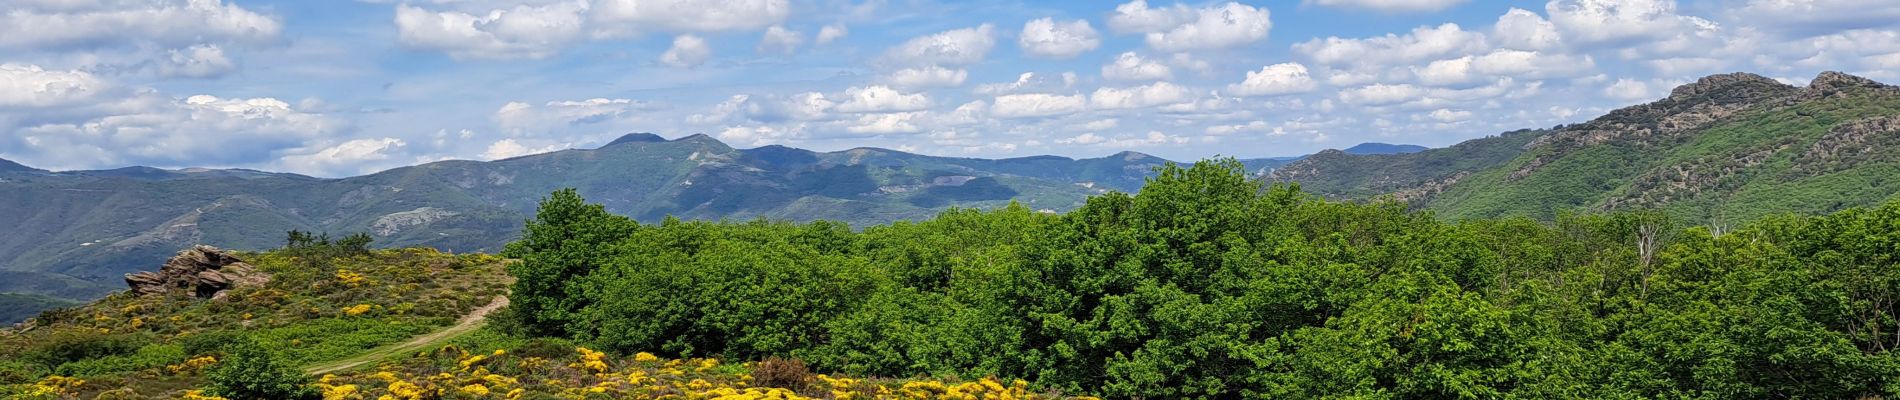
<point>567,239</point>
<point>249,371</point>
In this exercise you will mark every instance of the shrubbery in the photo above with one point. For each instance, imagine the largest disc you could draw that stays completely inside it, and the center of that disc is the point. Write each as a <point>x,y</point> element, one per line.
<point>1208,285</point>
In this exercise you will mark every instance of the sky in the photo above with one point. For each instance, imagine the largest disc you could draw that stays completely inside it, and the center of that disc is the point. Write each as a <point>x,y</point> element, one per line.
<point>340,88</point>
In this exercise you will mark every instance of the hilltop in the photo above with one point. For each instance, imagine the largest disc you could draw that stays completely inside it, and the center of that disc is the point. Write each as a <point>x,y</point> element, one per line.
<point>1725,149</point>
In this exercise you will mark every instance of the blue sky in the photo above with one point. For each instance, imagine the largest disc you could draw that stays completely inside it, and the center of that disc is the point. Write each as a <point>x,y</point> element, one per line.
<point>337,88</point>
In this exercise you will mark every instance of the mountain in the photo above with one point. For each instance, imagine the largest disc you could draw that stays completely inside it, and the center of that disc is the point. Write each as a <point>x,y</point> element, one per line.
<point>1725,149</point>
<point>1384,148</point>
<point>74,233</point>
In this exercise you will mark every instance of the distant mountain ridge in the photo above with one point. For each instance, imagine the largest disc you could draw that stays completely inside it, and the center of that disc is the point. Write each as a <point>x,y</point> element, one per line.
<point>78,231</point>
<point>1725,149</point>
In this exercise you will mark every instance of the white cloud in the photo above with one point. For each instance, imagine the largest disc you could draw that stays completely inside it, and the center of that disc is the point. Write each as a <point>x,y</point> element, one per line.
<point>1814,17</point>
<point>1380,94</point>
<point>953,47</point>
<point>1047,38</point>
<point>1615,22</point>
<point>688,51</point>
<point>1028,82</point>
<point>1423,43</point>
<point>1274,80</point>
<point>524,119</point>
<point>754,135</point>
<point>778,40</point>
<point>884,123</point>
<point>1524,30</point>
<point>1136,17</point>
<point>1225,26</point>
<point>1628,89</point>
<point>1132,67</point>
<point>692,15</point>
<point>148,128</point>
<point>831,33</point>
<point>879,98</point>
<point>1449,115</point>
<point>509,148</point>
<point>520,32</point>
<point>24,86</point>
<point>200,61</point>
<point>348,158</point>
<point>927,77</point>
<point>1086,138</point>
<point>167,23</point>
<point>1155,94</point>
<point>1393,6</point>
<point>1031,105</point>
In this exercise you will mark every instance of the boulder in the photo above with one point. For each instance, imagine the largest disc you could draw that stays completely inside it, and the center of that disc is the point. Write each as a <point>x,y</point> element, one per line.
<point>201,271</point>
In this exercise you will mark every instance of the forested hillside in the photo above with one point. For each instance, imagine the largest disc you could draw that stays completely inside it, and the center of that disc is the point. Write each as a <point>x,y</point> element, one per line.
<point>1205,284</point>
<point>1726,149</point>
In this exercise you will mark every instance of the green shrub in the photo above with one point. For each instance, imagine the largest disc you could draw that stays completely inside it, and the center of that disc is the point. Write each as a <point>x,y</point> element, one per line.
<point>252,372</point>
<point>72,345</point>
<point>152,356</point>
<point>20,371</point>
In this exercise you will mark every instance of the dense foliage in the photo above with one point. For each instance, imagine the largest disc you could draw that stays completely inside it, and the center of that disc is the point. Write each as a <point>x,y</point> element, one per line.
<point>1206,284</point>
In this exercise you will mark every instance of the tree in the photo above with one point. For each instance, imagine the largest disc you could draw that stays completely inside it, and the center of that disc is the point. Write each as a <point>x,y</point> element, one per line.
<point>566,240</point>
<point>250,371</point>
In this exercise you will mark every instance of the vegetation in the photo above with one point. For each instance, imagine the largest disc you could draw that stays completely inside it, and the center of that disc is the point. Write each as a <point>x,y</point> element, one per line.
<point>318,305</point>
<point>1207,285</point>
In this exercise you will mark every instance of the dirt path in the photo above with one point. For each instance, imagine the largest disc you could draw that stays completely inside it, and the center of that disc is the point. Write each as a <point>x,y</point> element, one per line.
<point>468,323</point>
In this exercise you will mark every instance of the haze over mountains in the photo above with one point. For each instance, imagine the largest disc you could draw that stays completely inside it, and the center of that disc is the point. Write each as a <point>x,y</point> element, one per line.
<point>78,231</point>
<point>1725,149</point>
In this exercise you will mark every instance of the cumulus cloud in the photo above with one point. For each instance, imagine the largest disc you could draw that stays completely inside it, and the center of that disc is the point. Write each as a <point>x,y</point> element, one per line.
<point>348,158</point>
<point>145,127</point>
<point>1219,27</point>
<point>692,15</point>
<point>1524,30</point>
<point>1391,5</point>
<point>1150,95</point>
<point>778,40</point>
<point>1274,80</point>
<point>1132,67</point>
<point>1380,94</point>
<point>1614,22</point>
<point>1033,105</point>
<point>927,77</point>
<point>29,86</point>
<point>831,33</point>
<point>1048,38</point>
<point>1136,17</point>
<point>167,23</point>
<point>200,61</point>
<point>878,98</point>
<point>509,148</point>
<point>688,51</point>
<point>1628,90</point>
<point>520,118</point>
<point>521,32</point>
<point>1422,43</point>
<point>953,47</point>
<point>884,123</point>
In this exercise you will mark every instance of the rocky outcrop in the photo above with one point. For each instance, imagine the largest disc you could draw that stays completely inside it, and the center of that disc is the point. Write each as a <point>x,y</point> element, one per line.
<point>201,271</point>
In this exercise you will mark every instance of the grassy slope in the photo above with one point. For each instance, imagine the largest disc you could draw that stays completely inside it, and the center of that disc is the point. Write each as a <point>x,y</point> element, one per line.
<point>302,311</point>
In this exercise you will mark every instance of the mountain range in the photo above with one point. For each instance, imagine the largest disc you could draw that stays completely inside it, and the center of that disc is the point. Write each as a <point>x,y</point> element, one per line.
<point>1723,150</point>
<point>77,232</point>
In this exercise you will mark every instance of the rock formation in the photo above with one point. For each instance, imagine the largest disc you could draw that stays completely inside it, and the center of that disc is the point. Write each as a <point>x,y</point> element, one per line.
<point>201,271</point>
